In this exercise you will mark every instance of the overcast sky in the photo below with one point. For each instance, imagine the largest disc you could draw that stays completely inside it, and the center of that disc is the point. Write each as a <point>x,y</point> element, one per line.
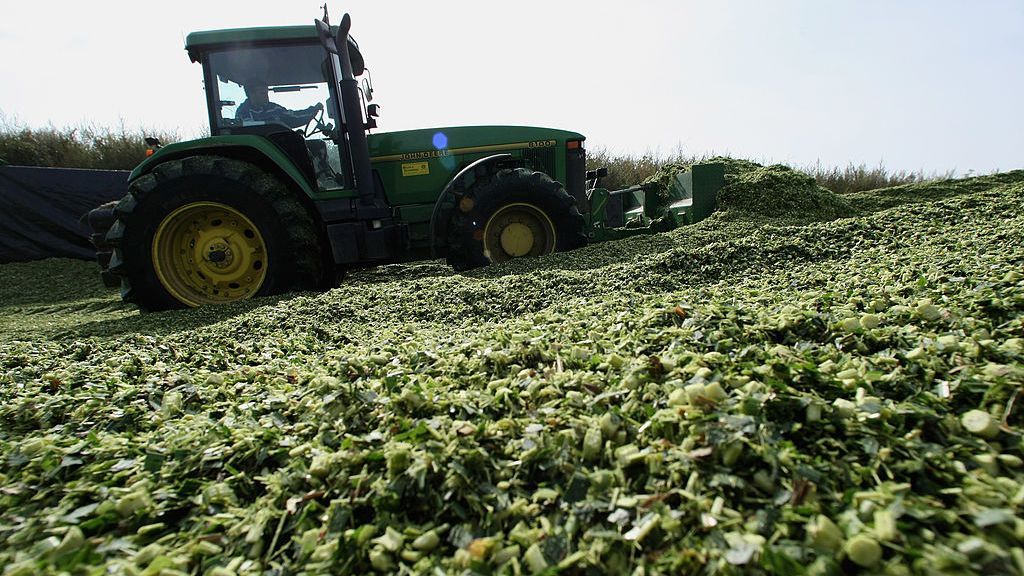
<point>916,84</point>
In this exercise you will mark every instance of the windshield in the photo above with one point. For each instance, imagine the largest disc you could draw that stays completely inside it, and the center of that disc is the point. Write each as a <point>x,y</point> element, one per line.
<point>283,87</point>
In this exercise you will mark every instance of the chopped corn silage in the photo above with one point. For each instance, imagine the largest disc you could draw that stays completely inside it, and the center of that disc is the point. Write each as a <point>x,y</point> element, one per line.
<point>788,387</point>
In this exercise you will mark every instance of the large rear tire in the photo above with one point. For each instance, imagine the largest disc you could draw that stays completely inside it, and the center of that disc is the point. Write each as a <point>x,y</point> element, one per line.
<point>518,213</point>
<point>211,230</point>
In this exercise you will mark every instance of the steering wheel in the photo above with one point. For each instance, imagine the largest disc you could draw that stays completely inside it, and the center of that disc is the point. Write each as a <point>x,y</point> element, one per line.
<point>316,125</point>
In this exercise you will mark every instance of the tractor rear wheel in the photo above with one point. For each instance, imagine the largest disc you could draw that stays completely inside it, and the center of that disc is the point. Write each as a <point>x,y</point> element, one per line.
<point>211,230</point>
<point>519,213</point>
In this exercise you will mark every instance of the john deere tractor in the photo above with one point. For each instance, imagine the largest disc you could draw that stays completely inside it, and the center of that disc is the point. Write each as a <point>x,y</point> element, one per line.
<point>290,189</point>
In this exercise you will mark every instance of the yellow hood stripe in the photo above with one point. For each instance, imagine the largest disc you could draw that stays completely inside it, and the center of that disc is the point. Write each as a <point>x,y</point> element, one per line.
<point>427,154</point>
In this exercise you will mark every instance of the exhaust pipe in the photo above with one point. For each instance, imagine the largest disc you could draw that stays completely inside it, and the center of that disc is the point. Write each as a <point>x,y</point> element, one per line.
<point>352,111</point>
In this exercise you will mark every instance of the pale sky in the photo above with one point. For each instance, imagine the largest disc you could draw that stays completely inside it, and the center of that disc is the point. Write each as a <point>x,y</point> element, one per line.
<point>915,84</point>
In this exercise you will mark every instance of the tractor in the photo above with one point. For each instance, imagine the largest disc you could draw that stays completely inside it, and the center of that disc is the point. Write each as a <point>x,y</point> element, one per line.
<point>291,188</point>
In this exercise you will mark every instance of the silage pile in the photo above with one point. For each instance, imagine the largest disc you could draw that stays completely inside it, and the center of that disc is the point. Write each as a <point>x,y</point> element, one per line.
<point>755,191</point>
<point>802,384</point>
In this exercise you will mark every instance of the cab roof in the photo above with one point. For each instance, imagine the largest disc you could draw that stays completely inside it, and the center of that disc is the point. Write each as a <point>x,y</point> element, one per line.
<point>198,42</point>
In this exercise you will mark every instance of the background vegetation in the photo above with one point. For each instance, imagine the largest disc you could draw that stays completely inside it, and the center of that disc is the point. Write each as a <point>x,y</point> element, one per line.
<point>627,169</point>
<point>83,146</point>
<point>121,148</point>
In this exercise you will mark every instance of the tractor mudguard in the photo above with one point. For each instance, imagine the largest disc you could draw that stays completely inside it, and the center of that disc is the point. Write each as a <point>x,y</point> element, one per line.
<point>250,148</point>
<point>452,193</point>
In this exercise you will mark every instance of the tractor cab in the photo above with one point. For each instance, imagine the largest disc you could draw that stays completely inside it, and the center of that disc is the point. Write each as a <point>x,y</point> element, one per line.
<point>279,83</point>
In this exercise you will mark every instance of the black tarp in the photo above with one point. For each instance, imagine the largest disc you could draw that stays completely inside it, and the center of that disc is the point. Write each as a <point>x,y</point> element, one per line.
<point>42,210</point>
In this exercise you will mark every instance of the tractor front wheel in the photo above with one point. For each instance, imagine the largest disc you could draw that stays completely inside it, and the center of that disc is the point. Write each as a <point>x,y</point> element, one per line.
<point>211,230</point>
<point>518,213</point>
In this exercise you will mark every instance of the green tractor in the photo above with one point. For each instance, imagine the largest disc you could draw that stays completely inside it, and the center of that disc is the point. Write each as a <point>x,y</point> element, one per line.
<point>291,189</point>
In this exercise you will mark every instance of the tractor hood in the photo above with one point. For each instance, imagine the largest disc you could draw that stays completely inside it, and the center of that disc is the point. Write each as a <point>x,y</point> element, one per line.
<point>433,142</point>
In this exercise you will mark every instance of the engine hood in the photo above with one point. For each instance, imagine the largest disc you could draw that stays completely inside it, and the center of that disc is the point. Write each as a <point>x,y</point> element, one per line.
<point>457,139</point>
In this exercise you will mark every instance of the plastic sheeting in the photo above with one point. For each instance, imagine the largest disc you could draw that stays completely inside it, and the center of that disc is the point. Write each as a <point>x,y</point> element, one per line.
<point>42,210</point>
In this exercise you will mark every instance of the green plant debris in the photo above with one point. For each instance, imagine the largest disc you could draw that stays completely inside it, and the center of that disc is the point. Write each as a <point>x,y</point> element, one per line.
<point>752,190</point>
<point>780,191</point>
<point>823,393</point>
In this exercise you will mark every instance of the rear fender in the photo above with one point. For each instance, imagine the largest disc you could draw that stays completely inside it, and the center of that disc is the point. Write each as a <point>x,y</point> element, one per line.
<point>253,149</point>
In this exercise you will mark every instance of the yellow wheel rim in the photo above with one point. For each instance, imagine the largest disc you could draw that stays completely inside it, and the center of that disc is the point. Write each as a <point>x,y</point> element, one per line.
<point>518,231</point>
<point>209,253</point>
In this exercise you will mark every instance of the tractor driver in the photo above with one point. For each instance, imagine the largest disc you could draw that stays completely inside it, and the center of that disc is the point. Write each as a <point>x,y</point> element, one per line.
<point>258,107</point>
